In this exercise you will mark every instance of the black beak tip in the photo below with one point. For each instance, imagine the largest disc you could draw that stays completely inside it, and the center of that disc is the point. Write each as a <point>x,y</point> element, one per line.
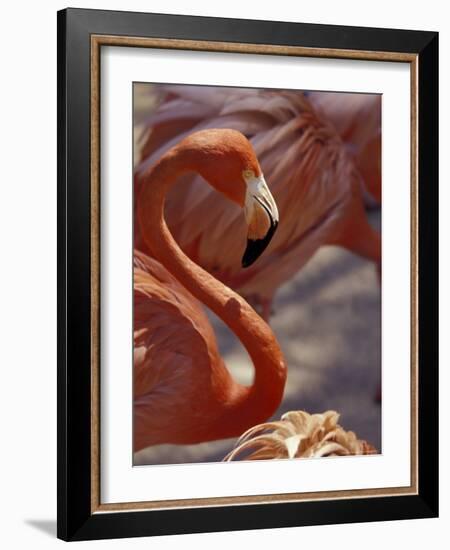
<point>256,247</point>
<point>248,257</point>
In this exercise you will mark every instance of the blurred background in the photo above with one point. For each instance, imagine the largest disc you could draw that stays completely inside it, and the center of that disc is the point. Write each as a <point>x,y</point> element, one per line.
<point>327,316</point>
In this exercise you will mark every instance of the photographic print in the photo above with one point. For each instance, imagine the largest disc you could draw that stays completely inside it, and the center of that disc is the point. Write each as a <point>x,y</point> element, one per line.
<point>257,274</point>
<point>247,274</point>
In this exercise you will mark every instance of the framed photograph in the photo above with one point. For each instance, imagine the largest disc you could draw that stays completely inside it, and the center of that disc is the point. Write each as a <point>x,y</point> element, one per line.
<point>247,257</point>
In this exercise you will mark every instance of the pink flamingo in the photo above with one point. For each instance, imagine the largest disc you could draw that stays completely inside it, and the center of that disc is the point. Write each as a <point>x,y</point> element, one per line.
<point>357,119</point>
<point>183,392</point>
<point>313,177</point>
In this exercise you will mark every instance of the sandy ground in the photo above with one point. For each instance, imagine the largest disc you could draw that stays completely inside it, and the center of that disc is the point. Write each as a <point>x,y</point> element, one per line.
<point>328,322</point>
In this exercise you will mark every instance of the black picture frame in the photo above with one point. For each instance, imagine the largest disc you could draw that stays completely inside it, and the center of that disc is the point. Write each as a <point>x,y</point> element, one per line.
<point>76,520</point>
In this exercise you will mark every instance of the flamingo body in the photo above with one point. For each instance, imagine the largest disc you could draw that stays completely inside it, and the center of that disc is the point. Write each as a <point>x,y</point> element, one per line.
<point>357,119</point>
<point>180,380</point>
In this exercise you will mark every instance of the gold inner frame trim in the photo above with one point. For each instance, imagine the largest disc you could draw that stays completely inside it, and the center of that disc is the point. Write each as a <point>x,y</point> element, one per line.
<point>128,41</point>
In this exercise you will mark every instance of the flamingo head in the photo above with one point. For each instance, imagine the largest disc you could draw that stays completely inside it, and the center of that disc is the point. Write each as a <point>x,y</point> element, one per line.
<point>226,159</point>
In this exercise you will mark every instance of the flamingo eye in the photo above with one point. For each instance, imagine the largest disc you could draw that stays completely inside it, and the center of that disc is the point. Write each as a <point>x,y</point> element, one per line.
<point>248,174</point>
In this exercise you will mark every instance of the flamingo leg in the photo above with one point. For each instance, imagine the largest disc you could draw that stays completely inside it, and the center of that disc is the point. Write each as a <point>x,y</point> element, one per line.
<point>266,308</point>
<point>262,305</point>
<point>358,236</point>
<point>378,394</point>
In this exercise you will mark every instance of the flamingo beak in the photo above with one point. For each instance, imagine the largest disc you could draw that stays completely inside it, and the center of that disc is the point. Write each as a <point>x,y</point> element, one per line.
<point>261,214</point>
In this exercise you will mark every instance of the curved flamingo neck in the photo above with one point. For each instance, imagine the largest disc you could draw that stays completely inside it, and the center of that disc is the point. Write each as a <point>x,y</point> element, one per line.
<point>242,406</point>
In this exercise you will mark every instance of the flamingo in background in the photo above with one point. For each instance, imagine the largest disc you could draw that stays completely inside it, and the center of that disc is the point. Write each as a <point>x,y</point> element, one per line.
<point>183,392</point>
<point>314,179</point>
<point>357,118</point>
